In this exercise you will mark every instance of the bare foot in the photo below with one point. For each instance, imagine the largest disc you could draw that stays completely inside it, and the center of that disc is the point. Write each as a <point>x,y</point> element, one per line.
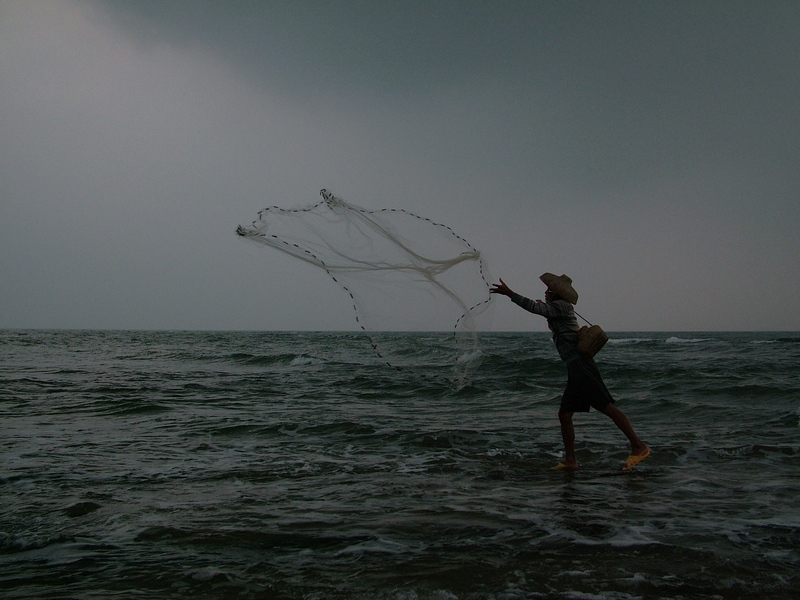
<point>567,465</point>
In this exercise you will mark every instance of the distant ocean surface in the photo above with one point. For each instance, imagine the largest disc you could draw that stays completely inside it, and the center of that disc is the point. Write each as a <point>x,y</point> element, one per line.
<point>297,465</point>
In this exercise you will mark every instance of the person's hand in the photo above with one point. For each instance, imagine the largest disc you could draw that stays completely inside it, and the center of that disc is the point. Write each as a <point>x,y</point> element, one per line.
<point>501,288</point>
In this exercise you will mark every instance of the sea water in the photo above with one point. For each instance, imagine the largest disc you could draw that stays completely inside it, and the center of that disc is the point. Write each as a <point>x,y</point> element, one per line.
<point>299,465</point>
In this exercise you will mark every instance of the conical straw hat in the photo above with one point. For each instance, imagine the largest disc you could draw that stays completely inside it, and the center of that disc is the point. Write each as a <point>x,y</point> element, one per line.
<point>561,285</point>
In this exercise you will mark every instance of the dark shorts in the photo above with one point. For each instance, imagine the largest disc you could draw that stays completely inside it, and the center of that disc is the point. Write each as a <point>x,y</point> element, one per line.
<point>585,387</point>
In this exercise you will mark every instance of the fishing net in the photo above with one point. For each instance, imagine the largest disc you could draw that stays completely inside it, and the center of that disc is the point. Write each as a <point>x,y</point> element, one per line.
<point>402,272</point>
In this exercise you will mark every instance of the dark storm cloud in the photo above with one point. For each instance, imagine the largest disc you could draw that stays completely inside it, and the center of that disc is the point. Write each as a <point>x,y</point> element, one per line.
<point>649,149</point>
<point>627,85</point>
<point>384,47</point>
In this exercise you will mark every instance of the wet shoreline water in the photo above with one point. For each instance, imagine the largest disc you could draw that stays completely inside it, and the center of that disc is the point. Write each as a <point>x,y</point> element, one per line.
<point>281,465</point>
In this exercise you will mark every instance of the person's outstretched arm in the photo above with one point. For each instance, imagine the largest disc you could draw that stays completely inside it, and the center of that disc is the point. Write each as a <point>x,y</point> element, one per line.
<point>535,306</point>
<point>502,288</point>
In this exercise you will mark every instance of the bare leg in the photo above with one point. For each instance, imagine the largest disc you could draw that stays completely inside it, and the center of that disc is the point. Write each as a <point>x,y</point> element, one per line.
<point>638,447</point>
<point>568,435</point>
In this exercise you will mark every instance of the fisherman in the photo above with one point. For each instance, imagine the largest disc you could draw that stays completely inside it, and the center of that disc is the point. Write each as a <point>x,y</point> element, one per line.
<point>585,387</point>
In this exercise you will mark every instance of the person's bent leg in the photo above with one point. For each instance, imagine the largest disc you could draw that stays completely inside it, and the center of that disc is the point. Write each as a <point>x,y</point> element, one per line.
<point>568,435</point>
<point>638,447</point>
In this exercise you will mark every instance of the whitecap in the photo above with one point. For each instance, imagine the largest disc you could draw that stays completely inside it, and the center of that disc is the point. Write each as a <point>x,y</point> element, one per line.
<point>680,340</point>
<point>470,356</point>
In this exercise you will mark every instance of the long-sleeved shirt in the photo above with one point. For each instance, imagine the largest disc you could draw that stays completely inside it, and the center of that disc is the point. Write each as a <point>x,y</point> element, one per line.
<point>560,319</point>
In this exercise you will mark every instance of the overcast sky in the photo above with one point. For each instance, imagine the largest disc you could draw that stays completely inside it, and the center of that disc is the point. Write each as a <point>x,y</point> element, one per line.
<point>650,150</point>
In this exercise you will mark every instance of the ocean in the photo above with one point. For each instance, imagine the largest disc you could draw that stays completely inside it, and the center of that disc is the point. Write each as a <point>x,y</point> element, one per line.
<point>299,465</point>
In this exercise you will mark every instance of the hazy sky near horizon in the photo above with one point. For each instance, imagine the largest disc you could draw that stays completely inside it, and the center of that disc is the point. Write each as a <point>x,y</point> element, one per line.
<point>650,150</point>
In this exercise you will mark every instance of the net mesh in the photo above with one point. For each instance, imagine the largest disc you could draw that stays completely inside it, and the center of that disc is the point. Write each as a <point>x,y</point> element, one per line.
<point>402,272</point>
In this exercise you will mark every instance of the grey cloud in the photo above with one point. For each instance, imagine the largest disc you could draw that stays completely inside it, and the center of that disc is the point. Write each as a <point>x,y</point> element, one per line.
<point>626,85</point>
<point>648,149</point>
